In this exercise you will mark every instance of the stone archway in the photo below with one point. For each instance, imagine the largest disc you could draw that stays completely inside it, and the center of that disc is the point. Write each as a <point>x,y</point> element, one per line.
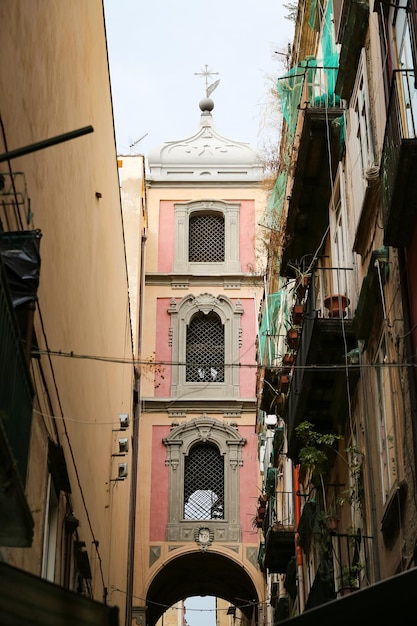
<point>201,573</point>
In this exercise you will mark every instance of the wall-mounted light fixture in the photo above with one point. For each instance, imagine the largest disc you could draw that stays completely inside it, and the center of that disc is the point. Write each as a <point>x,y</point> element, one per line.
<point>123,445</point>
<point>124,420</point>
<point>122,471</point>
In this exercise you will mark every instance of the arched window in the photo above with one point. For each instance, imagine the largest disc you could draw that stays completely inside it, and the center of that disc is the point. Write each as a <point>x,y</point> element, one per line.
<point>205,349</point>
<point>204,456</point>
<point>204,483</point>
<point>205,338</point>
<point>206,238</point>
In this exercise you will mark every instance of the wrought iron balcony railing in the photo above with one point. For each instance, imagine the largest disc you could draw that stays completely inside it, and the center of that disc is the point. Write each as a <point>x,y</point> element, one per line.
<point>399,160</point>
<point>318,391</point>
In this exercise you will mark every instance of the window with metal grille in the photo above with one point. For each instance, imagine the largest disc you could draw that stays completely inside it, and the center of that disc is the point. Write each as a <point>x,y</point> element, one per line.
<point>206,238</point>
<point>205,349</point>
<point>204,483</point>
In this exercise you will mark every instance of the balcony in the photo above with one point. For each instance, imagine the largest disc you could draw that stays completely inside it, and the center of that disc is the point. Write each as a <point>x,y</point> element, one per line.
<point>313,170</point>
<point>16,392</point>
<point>319,388</point>
<point>352,32</point>
<point>345,566</point>
<point>399,161</point>
<point>279,531</point>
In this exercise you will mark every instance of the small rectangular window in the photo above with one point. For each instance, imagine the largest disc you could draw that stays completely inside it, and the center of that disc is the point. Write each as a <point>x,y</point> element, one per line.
<point>206,238</point>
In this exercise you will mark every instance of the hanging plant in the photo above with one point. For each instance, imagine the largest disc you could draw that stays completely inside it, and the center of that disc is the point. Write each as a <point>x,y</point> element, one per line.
<point>313,454</point>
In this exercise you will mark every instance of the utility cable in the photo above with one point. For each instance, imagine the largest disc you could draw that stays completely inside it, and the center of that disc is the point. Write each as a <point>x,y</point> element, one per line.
<point>95,541</point>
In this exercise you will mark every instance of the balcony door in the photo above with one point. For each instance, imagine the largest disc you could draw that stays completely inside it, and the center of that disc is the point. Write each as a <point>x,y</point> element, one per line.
<point>341,261</point>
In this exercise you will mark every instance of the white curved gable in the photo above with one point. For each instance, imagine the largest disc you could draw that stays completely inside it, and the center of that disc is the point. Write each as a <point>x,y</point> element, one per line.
<point>205,156</point>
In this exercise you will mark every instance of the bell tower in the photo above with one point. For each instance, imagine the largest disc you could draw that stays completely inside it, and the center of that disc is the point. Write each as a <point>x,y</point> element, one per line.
<point>198,451</point>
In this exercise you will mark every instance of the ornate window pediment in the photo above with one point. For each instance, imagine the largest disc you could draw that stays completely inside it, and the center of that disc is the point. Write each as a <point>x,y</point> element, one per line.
<point>207,237</point>
<point>210,494</point>
<point>205,336</point>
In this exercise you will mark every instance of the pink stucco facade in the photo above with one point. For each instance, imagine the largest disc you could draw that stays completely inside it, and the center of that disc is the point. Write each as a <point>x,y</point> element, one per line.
<point>165,233</point>
<point>158,515</point>
<point>247,353</point>
<point>163,349</point>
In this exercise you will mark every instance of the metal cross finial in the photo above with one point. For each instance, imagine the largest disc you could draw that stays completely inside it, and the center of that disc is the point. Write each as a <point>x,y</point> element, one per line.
<point>206,73</point>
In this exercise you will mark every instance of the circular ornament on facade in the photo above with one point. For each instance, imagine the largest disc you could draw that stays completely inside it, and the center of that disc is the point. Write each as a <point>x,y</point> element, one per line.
<point>204,537</point>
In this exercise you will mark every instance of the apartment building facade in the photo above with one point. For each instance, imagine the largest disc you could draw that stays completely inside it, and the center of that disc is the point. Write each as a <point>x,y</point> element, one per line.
<point>337,412</point>
<point>67,368</point>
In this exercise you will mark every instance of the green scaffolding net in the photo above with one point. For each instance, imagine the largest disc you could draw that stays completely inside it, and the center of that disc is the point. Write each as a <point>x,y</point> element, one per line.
<point>311,83</point>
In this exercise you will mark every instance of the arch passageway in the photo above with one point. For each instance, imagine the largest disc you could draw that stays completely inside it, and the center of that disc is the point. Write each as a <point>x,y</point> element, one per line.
<point>199,574</point>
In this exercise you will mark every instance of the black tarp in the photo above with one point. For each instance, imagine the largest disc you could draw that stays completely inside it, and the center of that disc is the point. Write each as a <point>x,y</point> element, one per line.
<point>19,252</point>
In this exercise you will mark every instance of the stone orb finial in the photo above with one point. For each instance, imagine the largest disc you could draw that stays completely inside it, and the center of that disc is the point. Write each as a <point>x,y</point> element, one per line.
<point>206,104</point>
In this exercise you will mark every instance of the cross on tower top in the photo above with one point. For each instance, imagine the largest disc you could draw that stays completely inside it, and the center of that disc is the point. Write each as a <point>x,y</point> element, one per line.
<point>206,73</point>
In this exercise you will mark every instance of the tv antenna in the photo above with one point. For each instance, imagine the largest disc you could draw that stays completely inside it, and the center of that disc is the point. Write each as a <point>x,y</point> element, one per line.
<point>275,53</point>
<point>134,143</point>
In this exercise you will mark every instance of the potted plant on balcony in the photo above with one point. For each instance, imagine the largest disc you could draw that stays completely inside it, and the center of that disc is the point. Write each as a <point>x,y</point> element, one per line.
<point>284,382</point>
<point>293,338</point>
<point>350,578</point>
<point>297,314</point>
<point>337,304</point>
<point>288,360</point>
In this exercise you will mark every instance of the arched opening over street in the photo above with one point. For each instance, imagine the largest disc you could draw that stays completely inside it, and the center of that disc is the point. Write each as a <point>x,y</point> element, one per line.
<point>200,574</point>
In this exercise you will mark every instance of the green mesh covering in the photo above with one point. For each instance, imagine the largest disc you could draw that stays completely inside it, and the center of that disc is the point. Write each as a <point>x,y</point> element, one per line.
<point>330,54</point>
<point>268,330</point>
<point>290,88</point>
<point>312,82</point>
<point>273,330</point>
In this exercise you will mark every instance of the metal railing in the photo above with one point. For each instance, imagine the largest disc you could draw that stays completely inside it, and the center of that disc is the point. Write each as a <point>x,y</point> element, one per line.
<point>324,283</point>
<point>280,512</point>
<point>401,126</point>
<point>318,91</point>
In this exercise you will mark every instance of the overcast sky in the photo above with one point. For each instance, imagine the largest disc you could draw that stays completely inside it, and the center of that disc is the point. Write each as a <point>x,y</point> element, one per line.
<point>155,50</point>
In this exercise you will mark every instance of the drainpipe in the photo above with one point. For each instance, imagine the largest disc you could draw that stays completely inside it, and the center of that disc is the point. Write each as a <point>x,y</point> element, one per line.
<point>135,452</point>
<point>372,495</point>
<point>298,549</point>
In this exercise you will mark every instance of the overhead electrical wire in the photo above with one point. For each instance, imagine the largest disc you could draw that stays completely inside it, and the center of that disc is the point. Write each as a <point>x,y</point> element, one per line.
<point>249,603</point>
<point>87,514</point>
<point>166,363</point>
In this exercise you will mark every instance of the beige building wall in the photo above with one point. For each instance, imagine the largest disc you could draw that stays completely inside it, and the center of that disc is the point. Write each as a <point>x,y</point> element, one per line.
<point>54,79</point>
<point>133,197</point>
